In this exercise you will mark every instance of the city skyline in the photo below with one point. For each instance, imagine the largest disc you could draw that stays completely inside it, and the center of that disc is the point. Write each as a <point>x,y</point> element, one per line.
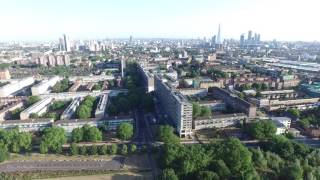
<point>37,20</point>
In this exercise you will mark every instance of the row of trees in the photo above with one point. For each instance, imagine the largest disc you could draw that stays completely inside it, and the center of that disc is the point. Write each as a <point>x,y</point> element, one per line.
<point>102,150</point>
<point>200,111</point>
<point>85,109</point>
<point>54,138</point>
<point>230,159</point>
<point>86,134</point>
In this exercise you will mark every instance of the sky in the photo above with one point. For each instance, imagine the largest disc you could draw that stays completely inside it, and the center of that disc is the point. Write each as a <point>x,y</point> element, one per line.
<point>288,20</point>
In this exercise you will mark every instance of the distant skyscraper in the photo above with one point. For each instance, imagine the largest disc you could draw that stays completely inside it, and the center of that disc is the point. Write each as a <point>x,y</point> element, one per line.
<point>242,39</point>
<point>255,38</point>
<point>213,40</point>
<point>66,43</point>
<point>249,36</point>
<point>258,38</point>
<point>219,40</point>
<point>130,39</point>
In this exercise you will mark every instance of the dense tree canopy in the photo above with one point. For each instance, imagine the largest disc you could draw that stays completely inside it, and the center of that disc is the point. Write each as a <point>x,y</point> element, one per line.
<point>263,129</point>
<point>166,134</point>
<point>85,109</point>
<point>86,133</point>
<point>16,141</point>
<point>279,158</point>
<point>52,140</point>
<point>61,86</point>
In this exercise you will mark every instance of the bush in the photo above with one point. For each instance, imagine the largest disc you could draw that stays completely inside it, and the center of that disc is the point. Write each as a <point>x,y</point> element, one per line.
<point>83,150</point>
<point>113,149</point>
<point>74,149</point>
<point>133,148</point>
<point>124,149</point>
<point>4,154</point>
<point>32,100</point>
<point>93,150</point>
<point>103,150</point>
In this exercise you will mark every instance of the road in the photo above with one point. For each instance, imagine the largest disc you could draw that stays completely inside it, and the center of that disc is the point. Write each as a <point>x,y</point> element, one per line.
<point>114,164</point>
<point>144,137</point>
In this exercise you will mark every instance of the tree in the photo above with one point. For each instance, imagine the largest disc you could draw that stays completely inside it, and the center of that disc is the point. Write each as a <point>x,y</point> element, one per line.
<point>294,112</point>
<point>241,95</point>
<point>52,115</point>
<point>168,174</point>
<point>74,149</point>
<point>32,99</point>
<point>43,148</point>
<point>34,116</point>
<point>123,104</point>
<point>4,154</point>
<point>263,129</point>
<point>15,114</point>
<point>113,149</point>
<point>77,135</point>
<point>304,123</point>
<point>124,149</point>
<point>84,112</point>
<point>274,162</point>
<point>258,158</point>
<point>220,168</point>
<point>196,110</point>
<point>53,138</point>
<point>205,112</point>
<point>236,156</point>
<point>112,110</point>
<point>166,134</point>
<point>91,134</point>
<point>148,103</point>
<point>16,141</point>
<point>57,105</point>
<point>83,150</point>
<point>207,175</point>
<point>125,131</point>
<point>103,150</point>
<point>293,171</point>
<point>264,86</point>
<point>258,95</point>
<point>61,86</point>
<point>93,150</point>
<point>281,146</point>
<point>133,148</point>
<point>257,86</point>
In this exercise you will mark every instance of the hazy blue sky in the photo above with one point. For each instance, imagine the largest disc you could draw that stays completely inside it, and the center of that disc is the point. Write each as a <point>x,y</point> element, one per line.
<point>49,19</point>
